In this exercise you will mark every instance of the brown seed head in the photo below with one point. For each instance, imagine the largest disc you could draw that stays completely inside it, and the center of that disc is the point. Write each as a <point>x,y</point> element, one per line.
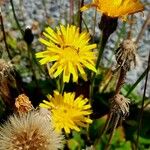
<point>126,54</point>
<point>5,69</point>
<point>120,105</point>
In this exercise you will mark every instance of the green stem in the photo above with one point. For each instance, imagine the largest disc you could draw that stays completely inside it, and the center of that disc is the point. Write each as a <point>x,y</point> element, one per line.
<point>95,15</point>
<point>81,3</point>
<point>103,42</point>
<point>61,84</point>
<point>15,17</point>
<point>4,36</point>
<point>31,65</point>
<point>120,35</point>
<point>102,47</point>
<point>138,81</point>
<point>142,107</point>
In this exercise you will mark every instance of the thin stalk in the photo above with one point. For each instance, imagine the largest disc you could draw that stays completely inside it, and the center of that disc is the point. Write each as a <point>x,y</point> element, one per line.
<point>4,36</point>
<point>45,10</point>
<point>87,29</point>
<point>80,14</point>
<point>103,42</point>
<point>112,133</point>
<point>95,14</point>
<point>16,19</point>
<point>107,123</point>
<point>142,107</point>
<point>120,81</point>
<point>146,23</point>
<point>120,35</point>
<point>71,11</point>
<point>130,27</point>
<point>31,65</point>
<point>137,82</point>
<point>62,85</point>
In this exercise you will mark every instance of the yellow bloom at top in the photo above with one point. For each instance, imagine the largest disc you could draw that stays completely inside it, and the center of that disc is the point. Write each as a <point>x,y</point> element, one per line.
<point>116,8</point>
<point>67,112</point>
<point>69,51</point>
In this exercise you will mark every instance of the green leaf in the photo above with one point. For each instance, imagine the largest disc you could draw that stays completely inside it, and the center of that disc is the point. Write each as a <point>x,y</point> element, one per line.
<point>73,144</point>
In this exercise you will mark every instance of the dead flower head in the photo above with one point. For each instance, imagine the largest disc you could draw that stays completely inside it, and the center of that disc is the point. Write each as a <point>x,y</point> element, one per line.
<point>5,69</point>
<point>126,54</point>
<point>23,104</point>
<point>29,132</point>
<point>119,105</point>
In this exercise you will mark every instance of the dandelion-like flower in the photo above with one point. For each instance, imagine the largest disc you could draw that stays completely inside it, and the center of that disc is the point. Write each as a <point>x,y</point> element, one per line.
<point>68,112</point>
<point>29,132</point>
<point>116,8</point>
<point>69,51</point>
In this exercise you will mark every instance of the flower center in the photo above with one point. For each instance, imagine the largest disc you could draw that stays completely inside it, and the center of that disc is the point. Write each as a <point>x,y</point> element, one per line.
<point>70,54</point>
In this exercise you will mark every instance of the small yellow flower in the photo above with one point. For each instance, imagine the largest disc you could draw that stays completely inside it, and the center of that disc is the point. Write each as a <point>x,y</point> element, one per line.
<point>67,111</point>
<point>116,8</point>
<point>69,51</point>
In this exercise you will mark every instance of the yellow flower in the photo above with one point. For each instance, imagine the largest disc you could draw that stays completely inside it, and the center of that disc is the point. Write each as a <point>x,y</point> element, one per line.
<point>69,50</point>
<point>116,8</point>
<point>67,111</point>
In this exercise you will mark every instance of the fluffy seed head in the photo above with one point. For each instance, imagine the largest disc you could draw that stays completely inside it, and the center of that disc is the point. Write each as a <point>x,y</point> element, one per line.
<point>29,132</point>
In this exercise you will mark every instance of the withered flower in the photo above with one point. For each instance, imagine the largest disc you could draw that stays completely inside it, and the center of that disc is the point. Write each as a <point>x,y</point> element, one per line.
<point>23,104</point>
<point>119,105</point>
<point>126,54</point>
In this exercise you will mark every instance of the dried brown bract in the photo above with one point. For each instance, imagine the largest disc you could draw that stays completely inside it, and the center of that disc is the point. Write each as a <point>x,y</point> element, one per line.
<point>7,83</point>
<point>120,105</point>
<point>126,54</point>
<point>23,104</point>
<point>5,69</point>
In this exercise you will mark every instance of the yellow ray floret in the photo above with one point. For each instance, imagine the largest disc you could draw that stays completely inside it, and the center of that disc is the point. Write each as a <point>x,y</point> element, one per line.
<point>69,51</point>
<point>68,113</point>
<point>116,8</point>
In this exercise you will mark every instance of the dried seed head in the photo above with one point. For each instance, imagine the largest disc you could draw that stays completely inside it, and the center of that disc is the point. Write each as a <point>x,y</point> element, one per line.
<point>7,83</point>
<point>29,131</point>
<point>120,105</point>
<point>23,104</point>
<point>126,54</point>
<point>5,69</point>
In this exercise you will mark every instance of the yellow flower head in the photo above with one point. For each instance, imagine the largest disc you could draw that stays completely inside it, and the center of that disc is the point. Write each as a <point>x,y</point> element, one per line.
<point>69,50</point>
<point>67,111</point>
<point>116,8</point>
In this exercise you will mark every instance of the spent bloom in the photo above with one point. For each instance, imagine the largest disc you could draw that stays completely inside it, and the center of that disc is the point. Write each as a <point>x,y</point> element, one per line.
<point>126,54</point>
<point>29,132</point>
<point>120,105</point>
<point>115,8</point>
<point>67,111</point>
<point>5,69</point>
<point>69,50</point>
<point>23,104</point>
